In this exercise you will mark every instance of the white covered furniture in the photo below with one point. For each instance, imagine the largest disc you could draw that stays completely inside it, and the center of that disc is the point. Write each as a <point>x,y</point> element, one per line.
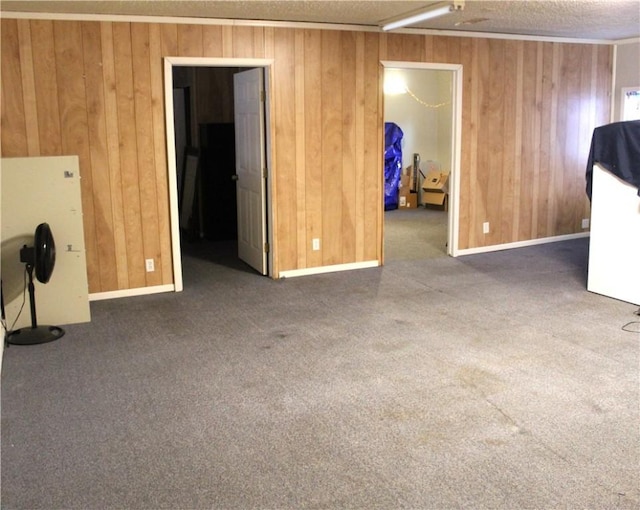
<point>612,181</point>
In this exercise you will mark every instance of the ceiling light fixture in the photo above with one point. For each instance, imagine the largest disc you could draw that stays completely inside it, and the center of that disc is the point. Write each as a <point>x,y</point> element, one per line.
<point>433,11</point>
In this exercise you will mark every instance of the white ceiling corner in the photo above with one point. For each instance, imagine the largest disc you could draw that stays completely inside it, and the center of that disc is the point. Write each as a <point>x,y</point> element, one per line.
<point>574,19</point>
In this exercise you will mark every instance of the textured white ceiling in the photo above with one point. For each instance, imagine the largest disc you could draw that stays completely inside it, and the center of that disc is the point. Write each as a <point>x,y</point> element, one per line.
<point>585,19</point>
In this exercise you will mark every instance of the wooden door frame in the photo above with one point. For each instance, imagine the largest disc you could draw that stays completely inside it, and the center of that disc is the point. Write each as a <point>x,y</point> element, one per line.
<point>174,216</point>
<point>453,226</point>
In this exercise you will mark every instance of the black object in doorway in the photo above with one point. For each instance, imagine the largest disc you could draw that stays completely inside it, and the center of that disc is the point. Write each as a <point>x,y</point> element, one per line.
<point>218,167</point>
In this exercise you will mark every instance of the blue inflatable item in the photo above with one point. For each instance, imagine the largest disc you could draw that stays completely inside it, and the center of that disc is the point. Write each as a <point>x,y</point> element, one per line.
<point>392,164</point>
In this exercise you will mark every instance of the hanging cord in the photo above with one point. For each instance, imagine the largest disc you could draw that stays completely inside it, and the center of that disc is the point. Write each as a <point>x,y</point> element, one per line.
<point>426,105</point>
<point>627,326</point>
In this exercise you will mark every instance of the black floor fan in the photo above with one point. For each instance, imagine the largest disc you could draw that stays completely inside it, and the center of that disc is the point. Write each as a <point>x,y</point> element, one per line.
<point>41,258</point>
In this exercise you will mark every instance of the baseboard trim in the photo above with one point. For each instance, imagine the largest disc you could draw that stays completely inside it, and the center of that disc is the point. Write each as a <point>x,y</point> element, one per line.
<point>329,269</point>
<point>140,291</point>
<point>520,244</point>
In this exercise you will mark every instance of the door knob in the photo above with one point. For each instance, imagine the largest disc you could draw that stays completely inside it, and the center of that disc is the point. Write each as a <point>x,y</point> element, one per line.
<point>234,177</point>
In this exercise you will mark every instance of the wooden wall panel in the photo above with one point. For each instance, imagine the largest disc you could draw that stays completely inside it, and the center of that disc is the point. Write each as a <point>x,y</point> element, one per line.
<point>359,145</point>
<point>509,90</point>
<point>96,88</point>
<point>567,135</point>
<point>190,40</point>
<point>301,167</point>
<point>72,103</point>
<point>603,77</point>
<point>373,182</point>
<point>348,184</point>
<point>331,169</point>
<point>497,143</point>
<point>313,144</point>
<point>113,148</point>
<point>584,133</point>
<point>44,64</point>
<point>160,152</point>
<point>403,47</point>
<point>169,38</point>
<point>248,42</point>
<point>469,128</point>
<point>227,41</point>
<point>528,149</point>
<point>440,50</point>
<point>470,174</point>
<point>102,225</point>
<point>126,110</point>
<point>28,88</point>
<point>284,171</point>
<point>146,149</point>
<point>212,41</point>
<point>14,135</point>
<point>482,190</point>
<point>454,45</point>
<point>545,141</point>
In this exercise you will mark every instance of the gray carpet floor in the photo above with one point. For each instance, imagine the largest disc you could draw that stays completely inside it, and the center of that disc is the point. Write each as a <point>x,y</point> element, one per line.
<point>412,234</point>
<point>487,381</point>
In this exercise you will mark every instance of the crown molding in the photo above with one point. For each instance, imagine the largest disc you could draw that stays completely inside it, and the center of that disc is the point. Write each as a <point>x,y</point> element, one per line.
<point>633,40</point>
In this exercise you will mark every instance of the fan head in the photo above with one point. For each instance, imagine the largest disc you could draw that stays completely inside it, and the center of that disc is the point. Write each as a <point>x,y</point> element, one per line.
<point>45,252</point>
<point>39,258</point>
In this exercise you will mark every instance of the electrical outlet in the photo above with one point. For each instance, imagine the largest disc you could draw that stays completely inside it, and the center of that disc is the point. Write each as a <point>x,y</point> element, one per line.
<point>150,265</point>
<point>485,227</point>
<point>315,244</point>
<point>585,223</point>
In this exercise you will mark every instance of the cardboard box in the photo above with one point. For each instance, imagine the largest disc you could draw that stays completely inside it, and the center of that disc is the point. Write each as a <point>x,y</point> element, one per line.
<point>411,177</point>
<point>430,198</point>
<point>436,181</point>
<point>408,201</point>
<point>435,188</point>
<point>405,181</point>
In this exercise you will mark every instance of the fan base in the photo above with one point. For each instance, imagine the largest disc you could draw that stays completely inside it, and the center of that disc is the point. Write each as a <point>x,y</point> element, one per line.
<point>33,336</point>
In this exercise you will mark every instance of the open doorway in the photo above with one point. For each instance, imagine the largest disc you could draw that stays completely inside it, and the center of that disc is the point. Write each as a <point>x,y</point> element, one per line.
<point>218,200</point>
<point>422,117</point>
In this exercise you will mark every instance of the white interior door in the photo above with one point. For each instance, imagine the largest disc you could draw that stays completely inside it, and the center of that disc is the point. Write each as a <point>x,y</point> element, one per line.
<point>248,93</point>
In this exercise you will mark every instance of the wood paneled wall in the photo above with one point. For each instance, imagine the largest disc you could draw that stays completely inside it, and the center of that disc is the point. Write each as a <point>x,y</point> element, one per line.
<point>88,88</point>
<point>96,89</point>
<point>529,109</point>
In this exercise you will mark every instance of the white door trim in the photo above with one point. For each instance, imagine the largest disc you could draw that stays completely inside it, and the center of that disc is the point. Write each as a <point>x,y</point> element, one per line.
<point>456,147</point>
<point>169,63</point>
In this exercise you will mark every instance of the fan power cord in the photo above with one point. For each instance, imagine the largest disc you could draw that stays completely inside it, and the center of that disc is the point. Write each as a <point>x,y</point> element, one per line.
<point>24,299</point>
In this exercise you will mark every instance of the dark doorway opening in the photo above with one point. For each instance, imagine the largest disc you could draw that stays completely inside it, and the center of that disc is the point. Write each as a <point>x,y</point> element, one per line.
<point>205,133</point>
